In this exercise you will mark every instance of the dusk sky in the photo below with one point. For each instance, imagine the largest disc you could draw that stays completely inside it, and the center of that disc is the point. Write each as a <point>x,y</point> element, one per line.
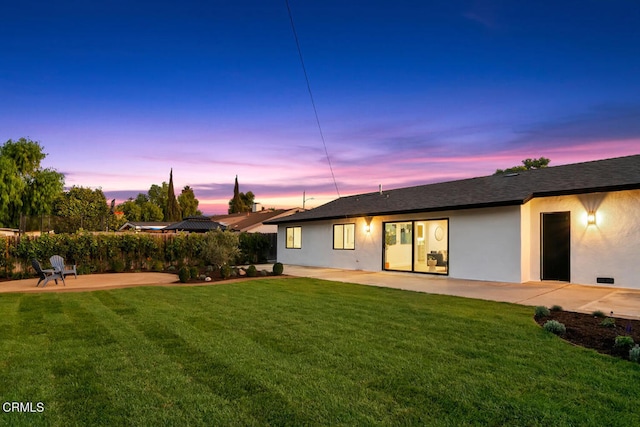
<point>407,92</point>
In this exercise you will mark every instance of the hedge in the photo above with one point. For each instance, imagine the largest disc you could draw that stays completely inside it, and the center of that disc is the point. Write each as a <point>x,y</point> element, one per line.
<point>102,252</point>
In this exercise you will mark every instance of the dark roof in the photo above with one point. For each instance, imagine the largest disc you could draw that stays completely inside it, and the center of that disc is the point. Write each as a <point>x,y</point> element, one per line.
<point>198,224</point>
<point>622,173</point>
<point>248,220</point>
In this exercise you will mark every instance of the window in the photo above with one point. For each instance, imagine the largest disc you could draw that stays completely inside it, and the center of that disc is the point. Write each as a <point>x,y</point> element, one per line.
<point>344,236</point>
<point>294,238</point>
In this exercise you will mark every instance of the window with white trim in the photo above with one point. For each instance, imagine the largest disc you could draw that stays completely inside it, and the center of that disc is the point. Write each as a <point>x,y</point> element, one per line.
<point>344,236</point>
<point>294,238</point>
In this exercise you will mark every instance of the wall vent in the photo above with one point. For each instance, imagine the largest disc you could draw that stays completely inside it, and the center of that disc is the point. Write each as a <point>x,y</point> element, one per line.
<point>607,280</point>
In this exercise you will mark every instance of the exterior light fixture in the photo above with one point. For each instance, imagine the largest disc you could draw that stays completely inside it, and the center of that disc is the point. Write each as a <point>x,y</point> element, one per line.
<point>591,218</point>
<point>367,226</point>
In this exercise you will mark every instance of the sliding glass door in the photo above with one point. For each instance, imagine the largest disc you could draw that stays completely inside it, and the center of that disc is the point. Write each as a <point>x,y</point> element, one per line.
<point>419,246</point>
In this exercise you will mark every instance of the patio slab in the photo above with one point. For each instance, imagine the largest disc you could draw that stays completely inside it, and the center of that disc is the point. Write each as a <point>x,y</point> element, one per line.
<point>91,282</point>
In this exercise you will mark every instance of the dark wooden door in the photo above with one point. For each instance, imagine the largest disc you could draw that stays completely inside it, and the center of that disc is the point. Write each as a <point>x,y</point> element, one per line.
<point>556,246</point>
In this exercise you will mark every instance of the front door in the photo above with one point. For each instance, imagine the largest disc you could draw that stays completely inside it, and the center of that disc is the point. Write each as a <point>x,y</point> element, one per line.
<point>556,244</point>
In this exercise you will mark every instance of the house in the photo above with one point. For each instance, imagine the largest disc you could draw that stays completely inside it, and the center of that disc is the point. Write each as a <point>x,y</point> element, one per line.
<point>194,224</point>
<point>577,223</point>
<point>253,222</point>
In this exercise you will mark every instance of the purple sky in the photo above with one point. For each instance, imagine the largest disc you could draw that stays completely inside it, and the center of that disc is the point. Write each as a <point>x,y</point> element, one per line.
<point>407,92</point>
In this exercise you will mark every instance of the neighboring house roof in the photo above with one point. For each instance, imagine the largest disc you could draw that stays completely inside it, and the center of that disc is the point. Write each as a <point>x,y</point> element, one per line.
<point>196,224</point>
<point>622,173</point>
<point>144,226</point>
<point>247,221</point>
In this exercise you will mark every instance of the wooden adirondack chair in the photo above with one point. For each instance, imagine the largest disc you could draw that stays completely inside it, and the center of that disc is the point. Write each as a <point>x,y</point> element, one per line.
<point>58,264</point>
<point>46,275</point>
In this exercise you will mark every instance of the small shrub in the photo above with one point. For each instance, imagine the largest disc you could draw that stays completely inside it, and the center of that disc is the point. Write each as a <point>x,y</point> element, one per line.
<point>556,308</point>
<point>278,268</point>
<point>623,342</point>
<point>85,269</point>
<point>598,313</point>
<point>117,265</point>
<point>541,312</point>
<point>225,271</point>
<point>608,322</point>
<point>252,271</point>
<point>193,272</point>
<point>555,327</point>
<point>157,265</point>
<point>184,274</point>
<point>634,354</point>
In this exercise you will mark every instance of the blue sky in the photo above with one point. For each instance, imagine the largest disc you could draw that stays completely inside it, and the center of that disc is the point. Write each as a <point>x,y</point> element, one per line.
<point>407,92</point>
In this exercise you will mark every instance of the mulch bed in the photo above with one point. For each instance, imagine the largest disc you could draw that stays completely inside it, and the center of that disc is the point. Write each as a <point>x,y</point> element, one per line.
<point>585,330</point>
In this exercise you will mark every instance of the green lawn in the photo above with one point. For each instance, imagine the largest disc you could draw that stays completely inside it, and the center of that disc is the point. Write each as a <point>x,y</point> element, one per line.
<point>298,352</point>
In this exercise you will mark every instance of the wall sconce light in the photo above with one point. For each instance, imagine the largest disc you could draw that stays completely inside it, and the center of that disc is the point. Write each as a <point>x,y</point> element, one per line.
<point>367,227</point>
<point>591,218</point>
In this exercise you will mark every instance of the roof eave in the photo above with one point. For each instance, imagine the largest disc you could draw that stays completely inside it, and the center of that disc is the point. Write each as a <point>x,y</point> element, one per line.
<point>406,211</point>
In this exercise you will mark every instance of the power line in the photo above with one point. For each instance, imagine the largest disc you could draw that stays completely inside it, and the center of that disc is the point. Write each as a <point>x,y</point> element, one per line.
<point>313,104</point>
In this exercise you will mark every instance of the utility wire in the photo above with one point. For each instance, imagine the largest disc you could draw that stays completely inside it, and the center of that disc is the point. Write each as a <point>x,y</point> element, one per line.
<point>315,111</point>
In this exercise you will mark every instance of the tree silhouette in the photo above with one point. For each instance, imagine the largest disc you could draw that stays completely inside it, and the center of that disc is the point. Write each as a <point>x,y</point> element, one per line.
<point>173,209</point>
<point>527,164</point>
<point>241,202</point>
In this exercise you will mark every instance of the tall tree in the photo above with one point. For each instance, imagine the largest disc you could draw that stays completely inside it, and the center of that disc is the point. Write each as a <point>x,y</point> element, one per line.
<point>81,208</point>
<point>25,188</point>
<point>527,164</point>
<point>173,209</point>
<point>240,202</point>
<point>188,202</point>
<point>141,209</point>
<point>158,195</point>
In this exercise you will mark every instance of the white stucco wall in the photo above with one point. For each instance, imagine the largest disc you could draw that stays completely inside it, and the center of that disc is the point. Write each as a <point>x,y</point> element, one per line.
<point>484,244</point>
<point>317,246</point>
<point>611,248</point>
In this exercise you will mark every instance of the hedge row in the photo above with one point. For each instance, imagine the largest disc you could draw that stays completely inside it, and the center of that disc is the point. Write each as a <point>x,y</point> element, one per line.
<point>102,252</point>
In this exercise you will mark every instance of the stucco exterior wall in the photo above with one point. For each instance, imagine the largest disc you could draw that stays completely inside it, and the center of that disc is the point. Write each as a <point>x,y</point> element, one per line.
<point>610,248</point>
<point>484,244</point>
<point>317,246</point>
